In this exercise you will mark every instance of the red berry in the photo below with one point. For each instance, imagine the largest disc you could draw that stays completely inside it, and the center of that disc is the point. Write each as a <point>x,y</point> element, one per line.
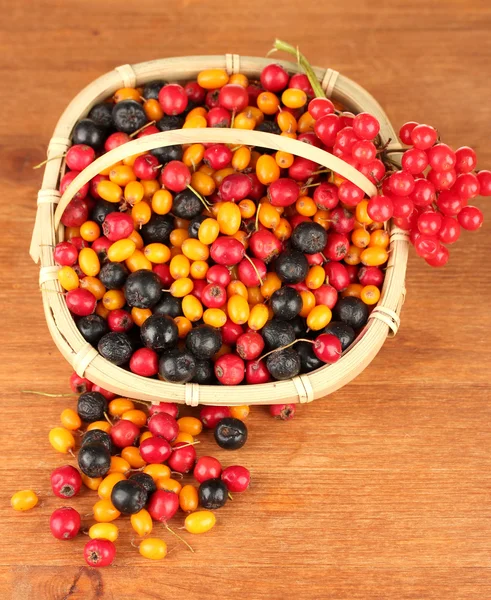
<point>79,385</point>
<point>423,136</point>
<point>380,208</point>
<point>327,294</point>
<point>217,156</point>
<point>336,247</point>
<point>218,274</point>
<point>470,217</point>
<point>258,188</point>
<point>163,505</point>
<point>231,332</point>
<point>374,170</point>
<point>80,302</point>
<point>117,226</point>
<point>75,214</point>
<point>466,186</point>
<point>227,251</point>
<point>346,140</point>
<point>484,178</point>
<point>300,81</point>
<point>401,183</point>
<point>465,160</point>
<point>441,157</point>
<point>337,276</point>
<point>198,287</point>
<point>150,130</point>
<point>79,156</point>
<point>248,273</point>
<point>302,169</point>
<point>370,276</point>
<point>115,140</point>
<point>67,179</point>
<point>125,433</point>
<point>218,117</point>
<point>350,194</point>
<point>352,273</point>
<point>229,369</point>
<point>144,362</point>
<point>430,222</point>
<point>236,478</point>
<point>342,220</point>
<point>449,203</point>
<point>257,372</point>
<point>155,449</point>
<point>210,415</point>
<point>100,246</point>
<point>171,408</point>
<point>440,258</point>
<point>176,176</point>
<point>163,271</point>
<point>326,196</point>
<point>65,254</point>
<point>66,481</point>
<point>274,78</point>
<point>65,523</point>
<point>206,468</point>
<point>414,161</point>
<point>449,231</point>
<point>309,137</point>
<point>364,151</point>
<point>327,348</point>
<point>213,295</point>
<point>250,345</point>
<point>405,132</point>
<point>424,193</point>
<point>426,245</point>
<point>195,92</point>
<point>235,187</point>
<point>106,393</point>
<point>283,192</point>
<point>403,206</point>
<point>182,458</point>
<point>233,97</point>
<point>285,412</point>
<point>264,245</point>
<point>327,128</point>
<point>146,167</point>
<point>320,107</point>
<point>366,126</point>
<point>173,99</point>
<point>211,99</point>
<point>163,425</point>
<point>99,553</point>
<point>119,320</point>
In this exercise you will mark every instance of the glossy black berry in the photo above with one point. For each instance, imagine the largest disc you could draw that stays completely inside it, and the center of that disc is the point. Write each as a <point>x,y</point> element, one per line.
<point>194,226</point>
<point>102,114</point>
<point>291,266</point>
<point>159,332</point>
<point>101,209</point>
<point>165,154</point>
<point>351,311</point>
<point>128,116</point>
<point>230,433</point>
<point>170,122</point>
<point>115,347</point>
<point>143,289</point>
<point>89,133</point>
<point>283,364</point>
<point>205,373</point>
<point>92,328</point>
<point>97,436</point>
<point>147,483</point>
<point>212,493</point>
<point>186,205</point>
<point>345,333</point>
<point>309,237</point>
<point>177,366</point>
<point>113,275</point>
<point>204,341</point>
<point>152,88</point>
<point>158,229</point>
<point>168,305</point>
<point>91,407</point>
<point>286,303</point>
<point>308,360</point>
<point>277,333</point>
<point>94,460</point>
<point>299,325</point>
<point>129,497</point>
<point>267,127</point>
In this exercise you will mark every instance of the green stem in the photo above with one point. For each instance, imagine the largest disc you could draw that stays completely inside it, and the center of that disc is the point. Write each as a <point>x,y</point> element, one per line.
<point>304,64</point>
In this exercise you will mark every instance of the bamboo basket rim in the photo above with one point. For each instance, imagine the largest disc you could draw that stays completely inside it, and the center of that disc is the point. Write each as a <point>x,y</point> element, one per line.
<point>85,359</point>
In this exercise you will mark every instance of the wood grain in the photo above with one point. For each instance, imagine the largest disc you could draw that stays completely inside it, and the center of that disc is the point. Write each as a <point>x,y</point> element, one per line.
<point>380,491</point>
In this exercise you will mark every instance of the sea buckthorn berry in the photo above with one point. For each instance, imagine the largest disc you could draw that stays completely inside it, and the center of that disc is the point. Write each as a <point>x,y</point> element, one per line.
<point>306,206</point>
<point>353,256</point>
<point>92,483</point>
<point>132,455</point>
<point>195,122</point>
<point>68,278</point>
<point>119,406</point>
<point>305,123</point>
<point>247,208</point>
<point>286,122</point>
<point>212,79</point>
<point>150,186</point>
<point>268,103</point>
<point>145,435</point>
<point>198,269</point>
<point>162,202</point>
<point>140,315</point>
<point>114,299</point>
<point>238,308</point>
<point>268,216</point>
<point>239,412</point>
<point>258,316</point>
<point>267,170</point>
<point>283,230</point>
<point>241,158</point>
<point>104,531</point>
<point>178,236</point>
<point>184,326</point>
<point>141,214</point>
<point>192,308</point>
<point>61,439</point>
<point>153,110</point>
<point>157,253</point>
<point>360,238</point>
<point>121,250</point>
<point>381,238</point>
<point>374,256</point>
<point>133,192</point>
<point>195,249</point>
<point>319,317</point>
<point>294,98</point>
<point>353,290</point>
<point>370,294</point>
<point>203,183</point>
<point>89,262</point>
<point>106,487</point>
<point>229,218</point>
<point>182,436</point>
<point>254,295</point>
<point>245,120</point>
<point>169,484</point>
<point>90,231</point>
<point>284,159</point>
<point>200,521</point>
<point>138,417</point>
<point>308,303</point>
<point>179,266</point>
<point>157,471</point>
<point>136,238</point>
<point>188,498</point>
<point>119,465</point>
<point>142,522</point>
<point>121,175</point>
<point>127,93</point>
<point>101,425</point>
<point>24,500</point>
<point>70,419</point>
<point>105,512</point>
<point>94,286</point>
<point>214,317</point>
<point>193,155</point>
<point>109,191</point>
<point>153,548</point>
<point>190,425</point>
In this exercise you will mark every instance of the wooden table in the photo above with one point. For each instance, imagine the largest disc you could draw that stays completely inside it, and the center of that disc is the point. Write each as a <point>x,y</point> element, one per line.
<point>381,491</point>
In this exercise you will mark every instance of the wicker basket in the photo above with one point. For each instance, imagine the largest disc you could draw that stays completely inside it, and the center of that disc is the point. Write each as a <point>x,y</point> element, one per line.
<point>384,320</point>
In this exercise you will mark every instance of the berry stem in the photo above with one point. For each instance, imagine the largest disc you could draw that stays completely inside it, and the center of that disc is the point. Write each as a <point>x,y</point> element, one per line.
<point>304,64</point>
<point>255,268</point>
<point>178,537</point>
<point>47,394</point>
<point>284,347</point>
<point>41,164</point>
<point>196,193</point>
<point>132,135</point>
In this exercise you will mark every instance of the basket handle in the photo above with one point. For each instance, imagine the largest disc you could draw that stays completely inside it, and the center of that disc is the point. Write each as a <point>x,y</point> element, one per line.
<point>214,136</point>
